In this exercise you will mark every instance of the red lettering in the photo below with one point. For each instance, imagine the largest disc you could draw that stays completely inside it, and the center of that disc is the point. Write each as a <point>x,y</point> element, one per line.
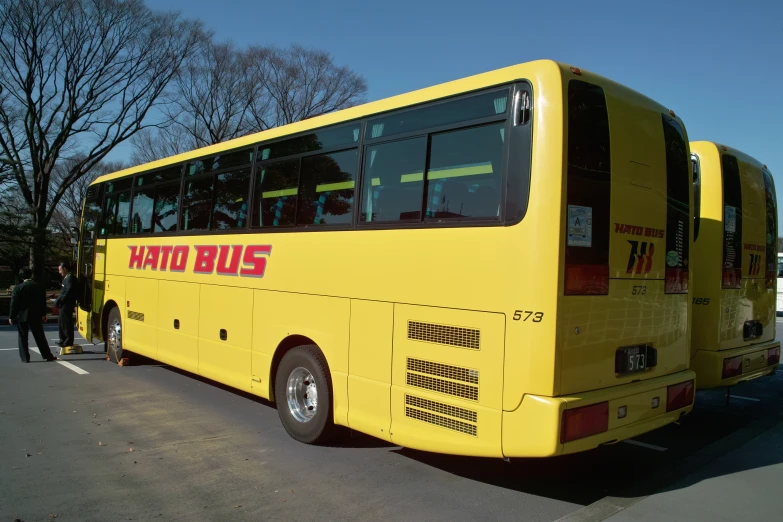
<point>618,227</point>
<point>164,262</point>
<point>236,255</point>
<point>660,234</point>
<point>179,259</point>
<point>255,266</point>
<point>136,257</point>
<point>205,259</point>
<point>153,253</point>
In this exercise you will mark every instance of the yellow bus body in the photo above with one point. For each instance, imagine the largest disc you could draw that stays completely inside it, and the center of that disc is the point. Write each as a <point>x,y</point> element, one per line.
<point>720,313</point>
<point>451,339</point>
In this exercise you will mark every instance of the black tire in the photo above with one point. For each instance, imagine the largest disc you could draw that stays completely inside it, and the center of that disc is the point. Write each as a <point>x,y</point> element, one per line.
<point>114,348</point>
<point>320,427</point>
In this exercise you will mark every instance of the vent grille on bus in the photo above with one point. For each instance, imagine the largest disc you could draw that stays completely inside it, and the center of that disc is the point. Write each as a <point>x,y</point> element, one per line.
<point>443,380</point>
<point>443,334</point>
<point>428,411</point>
<point>136,316</point>
<point>439,407</point>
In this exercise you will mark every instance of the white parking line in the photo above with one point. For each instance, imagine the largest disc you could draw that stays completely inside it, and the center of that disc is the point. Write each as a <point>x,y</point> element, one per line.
<point>68,365</point>
<point>7,349</point>
<point>644,445</point>
<point>745,398</point>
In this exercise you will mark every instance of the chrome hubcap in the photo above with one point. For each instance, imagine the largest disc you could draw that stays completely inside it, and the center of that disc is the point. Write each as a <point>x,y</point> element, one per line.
<point>115,337</point>
<point>302,395</point>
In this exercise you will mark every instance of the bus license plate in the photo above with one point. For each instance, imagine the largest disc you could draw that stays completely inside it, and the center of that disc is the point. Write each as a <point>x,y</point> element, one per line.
<point>631,359</point>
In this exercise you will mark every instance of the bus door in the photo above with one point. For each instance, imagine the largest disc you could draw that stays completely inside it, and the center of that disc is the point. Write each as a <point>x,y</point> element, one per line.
<point>86,263</point>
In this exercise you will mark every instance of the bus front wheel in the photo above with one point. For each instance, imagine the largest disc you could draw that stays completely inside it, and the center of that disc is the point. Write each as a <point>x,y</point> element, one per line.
<point>303,393</point>
<point>114,336</point>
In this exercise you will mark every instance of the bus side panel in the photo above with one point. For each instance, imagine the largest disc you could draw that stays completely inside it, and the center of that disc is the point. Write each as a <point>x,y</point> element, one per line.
<point>369,367</point>
<point>224,335</point>
<point>447,380</point>
<point>324,320</point>
<point>140,319</point>
<point>708,252</point>
<point>178,324</point>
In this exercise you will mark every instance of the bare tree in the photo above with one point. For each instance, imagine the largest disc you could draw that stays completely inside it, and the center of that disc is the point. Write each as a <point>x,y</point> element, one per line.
<point>66,217</point>
<point>78,77</point>
<point>223,93</point>
<point>301,83</point>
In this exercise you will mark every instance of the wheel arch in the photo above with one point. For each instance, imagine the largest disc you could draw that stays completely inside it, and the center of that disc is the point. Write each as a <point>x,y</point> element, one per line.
<point>286,345</point>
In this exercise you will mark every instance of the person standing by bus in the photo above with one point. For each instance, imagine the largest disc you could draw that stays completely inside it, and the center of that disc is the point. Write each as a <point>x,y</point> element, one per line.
<point>66,303</point>
<point>28,313</point>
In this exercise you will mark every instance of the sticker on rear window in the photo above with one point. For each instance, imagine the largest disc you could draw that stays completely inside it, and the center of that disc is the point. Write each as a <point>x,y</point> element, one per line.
<point>580,226</point>
<point>730,219</point>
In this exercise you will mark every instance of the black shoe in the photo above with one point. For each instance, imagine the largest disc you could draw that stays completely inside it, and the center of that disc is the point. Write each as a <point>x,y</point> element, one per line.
<point>27,361</point>
<point>50,359</point>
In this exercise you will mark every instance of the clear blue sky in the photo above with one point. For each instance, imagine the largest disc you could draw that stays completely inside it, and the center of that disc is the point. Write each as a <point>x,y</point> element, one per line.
<point>716,63</point>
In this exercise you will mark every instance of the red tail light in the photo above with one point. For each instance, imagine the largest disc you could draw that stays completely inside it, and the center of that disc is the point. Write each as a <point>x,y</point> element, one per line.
<point>679,396</point>
<point>773,356</point>
<point>771,279</point>
<point>587,280</point>
<point>732,277</point>
<point>585,421</point>
<point>676,280</point>
<point>732,366</point>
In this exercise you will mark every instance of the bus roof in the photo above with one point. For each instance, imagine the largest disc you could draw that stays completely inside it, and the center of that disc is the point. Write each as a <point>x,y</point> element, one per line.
<point>529,70</point>
<point>745,158</point>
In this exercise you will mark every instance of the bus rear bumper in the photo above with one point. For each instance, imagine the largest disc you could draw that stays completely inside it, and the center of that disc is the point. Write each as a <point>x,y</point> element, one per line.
<point>535,428</point>
<point>709,364</point>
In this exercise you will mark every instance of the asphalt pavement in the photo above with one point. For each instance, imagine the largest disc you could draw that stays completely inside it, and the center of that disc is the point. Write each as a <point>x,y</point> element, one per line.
<point>84,439</point>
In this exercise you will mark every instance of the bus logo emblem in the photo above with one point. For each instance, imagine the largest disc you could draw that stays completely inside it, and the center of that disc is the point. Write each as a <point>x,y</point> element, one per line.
<point>641,258</point>
<point>755,264</point>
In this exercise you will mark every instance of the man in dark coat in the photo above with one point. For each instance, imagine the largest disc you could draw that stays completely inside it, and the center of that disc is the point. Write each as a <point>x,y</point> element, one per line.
<point>66,303</point>
<point>28,313</point>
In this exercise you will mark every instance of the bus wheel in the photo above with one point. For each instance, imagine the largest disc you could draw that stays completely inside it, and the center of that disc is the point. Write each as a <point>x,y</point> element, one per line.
<point>114,337</point>
<point>303,392</point>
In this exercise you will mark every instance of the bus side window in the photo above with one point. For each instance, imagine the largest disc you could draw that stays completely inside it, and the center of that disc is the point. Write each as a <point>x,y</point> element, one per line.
<point>696,196</point>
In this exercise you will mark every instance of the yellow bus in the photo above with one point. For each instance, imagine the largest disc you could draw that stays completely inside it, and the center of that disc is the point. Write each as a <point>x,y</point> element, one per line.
<point>735,267</point>
<point>494,266</point>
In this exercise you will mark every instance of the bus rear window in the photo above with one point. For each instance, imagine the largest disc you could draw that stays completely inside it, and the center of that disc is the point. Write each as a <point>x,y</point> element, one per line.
<point>772,230</point>
<point>732,222</point>
<point>588,191</point>
<point>677,208</point>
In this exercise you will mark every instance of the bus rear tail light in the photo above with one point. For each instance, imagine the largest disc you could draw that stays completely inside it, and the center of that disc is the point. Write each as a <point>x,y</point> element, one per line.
<point>585,421</point>
<point>587,280</point>
<point>676,280</point>
<point>773,356</point>
<point>732,277</point>
<point>679,396</point>
<point>771,279</point>
<point>732,366</point>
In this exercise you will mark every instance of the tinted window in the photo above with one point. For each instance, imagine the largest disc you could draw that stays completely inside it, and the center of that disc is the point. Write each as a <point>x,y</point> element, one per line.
<point>143,200</point>
<point>169,174</point>
<point>589,177</point>
<point>109,215</point>
<point>394,180</point>
<point>696,195</point>
<point>677,196</point>
<point>123,213</point>
<point>231,199</point>
<point>196,204</point>
<point>220,162</point>
<point>772,223</point>
<point>465,109</point>
<point>732,213</point>
<point>277,185</point>
<point>464,177</point>
<point>118,184</point>
<point>327,187</point>
<point>344,136</point>
<point>166,207</point>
